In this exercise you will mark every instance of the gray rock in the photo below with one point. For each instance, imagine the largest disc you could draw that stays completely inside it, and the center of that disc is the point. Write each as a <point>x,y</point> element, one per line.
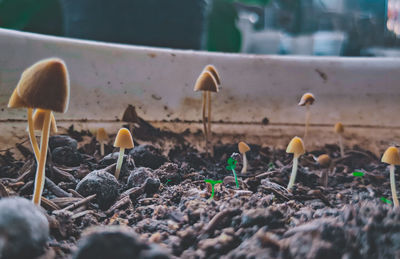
<point>138,176</point>
<point>24,229</point>
<point>147,156</point>
<point>62,141</point>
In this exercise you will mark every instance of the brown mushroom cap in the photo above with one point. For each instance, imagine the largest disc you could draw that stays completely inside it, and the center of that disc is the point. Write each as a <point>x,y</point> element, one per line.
<point>44,85</point>
<point>243,147</point>
<point>206,82</point>
<point>339,128</point>
<point>391,156</point>
<point>130,114</point>
<point>101,135</point>
<point>124,139</point>
<point>214,72</point>
<point>324,160</point>
<point>296,146</point>
<point>307,98</point>
<point>38,120</point>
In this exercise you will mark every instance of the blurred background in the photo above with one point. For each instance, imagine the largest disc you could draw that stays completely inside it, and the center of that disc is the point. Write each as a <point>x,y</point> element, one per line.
<point>295,27</point>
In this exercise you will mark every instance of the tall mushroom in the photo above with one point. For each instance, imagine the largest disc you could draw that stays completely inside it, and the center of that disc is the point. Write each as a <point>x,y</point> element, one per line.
<point>243,148</point>
<point>339,129</point>
<point>306,100</point>
<point>207,84</point>
<point>392,157</point>
<point>130,116</point>
<point>102,137</point>
<point>123,140</point>
<point>44,85</point>
<point>214,72</point>
<point>296,146</point>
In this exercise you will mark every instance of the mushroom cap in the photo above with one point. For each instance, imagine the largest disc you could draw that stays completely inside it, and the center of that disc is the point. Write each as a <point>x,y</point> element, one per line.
<point>339,128</point>
<point>44,85</point>
<point>214,72</point>
<point>391,156</point>
<point>124,139</point>
<point>307,98</point>
<point>243,147</point>
<point>206,82</point>
<point>130,114</point>
<point>324,160</point>
<point>101,135</point>
<point>38,120</point>
<point>296,146</point>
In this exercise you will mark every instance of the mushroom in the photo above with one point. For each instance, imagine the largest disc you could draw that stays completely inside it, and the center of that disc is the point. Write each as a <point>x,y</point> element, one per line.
<point>207,84</point>
<point>392,157</point>
<point>243,148</point>
<point>44,85</point>
<point>123,140</point>
<point>130,116</point>
<point>102,137</point>
<point>306,100</point>
<point>339,129</point>
<point>296,146</point>
<point>324,161</point>
<point>214,72</point>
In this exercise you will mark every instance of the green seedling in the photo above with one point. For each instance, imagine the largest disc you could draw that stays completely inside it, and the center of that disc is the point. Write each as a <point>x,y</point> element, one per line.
<point>271,165</point>
<point>123,140</point>
<point>358,174</point>
<point>231,166</point>
<point>213,183</point>
<point>392,157</point>
<point>44,85</point>
<point>169,180</point>
<point>386,200</point>
<point>296,146</point>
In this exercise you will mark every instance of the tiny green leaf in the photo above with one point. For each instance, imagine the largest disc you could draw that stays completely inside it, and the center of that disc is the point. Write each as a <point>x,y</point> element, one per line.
<point>358,174</point>
<point>386,200</point>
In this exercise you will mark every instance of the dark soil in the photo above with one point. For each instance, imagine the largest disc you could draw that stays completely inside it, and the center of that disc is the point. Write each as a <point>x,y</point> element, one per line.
<point>161,195</point>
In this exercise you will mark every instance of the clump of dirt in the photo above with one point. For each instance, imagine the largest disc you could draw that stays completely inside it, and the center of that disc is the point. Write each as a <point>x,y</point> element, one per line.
<point>162,197</point>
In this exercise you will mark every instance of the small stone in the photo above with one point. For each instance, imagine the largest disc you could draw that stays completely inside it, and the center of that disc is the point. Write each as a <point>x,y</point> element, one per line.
<point>66,156</point>
<point>62,141</point>
<point>101,183</point>
<point>147,156</point>
<point>151,186</point>
<point>138,176</point>
<point>24,229</point>
<point>116,242</point>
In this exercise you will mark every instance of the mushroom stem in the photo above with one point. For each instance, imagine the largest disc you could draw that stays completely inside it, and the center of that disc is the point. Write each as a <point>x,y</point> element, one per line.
<point>119,162</point>
<point>324,176</point>
<point>204,119</point>
<point>130,124</point>
<point>393,186</point>
<point>307,119</point>
<point>294,172</point>
<point>102,148</point>
<point>341,145</point>
<point>244,168</point>
<point>32,137</point>
<point>209,121</point>
<point>40,170</point>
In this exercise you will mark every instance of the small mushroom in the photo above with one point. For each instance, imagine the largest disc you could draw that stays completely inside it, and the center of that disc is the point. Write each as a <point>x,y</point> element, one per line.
<point>306,100</point>
<point>38,121</point>
<point>102,137</point>
<point>44,85</point>
<point>296,146</point>
<point>392,157</point>
<point>324,161</point>
<point>123,140</point>
<point>339,129</point>
<point>130,116</point>
<point>243,148</point>
<point>207,84</point>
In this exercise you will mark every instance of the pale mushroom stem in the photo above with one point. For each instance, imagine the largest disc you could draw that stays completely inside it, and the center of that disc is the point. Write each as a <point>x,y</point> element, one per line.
<point>294,172</point>
<point>209,121</point>
<point>40,170</point>
<point>32,136</point>
<point>393,186</point>
<point>244,168</point>
<point>119,162</point>
<point>204,119</point>
<point>341,145</point>
<point>102,148</point>
<point>325,174</point>
<point>307,119</point>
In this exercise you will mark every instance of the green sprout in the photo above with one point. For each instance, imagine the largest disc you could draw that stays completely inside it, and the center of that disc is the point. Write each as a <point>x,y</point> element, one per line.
<point>386,200</point>
<point>212,182</point>
<point>231,166</point>
<point>358,174</point>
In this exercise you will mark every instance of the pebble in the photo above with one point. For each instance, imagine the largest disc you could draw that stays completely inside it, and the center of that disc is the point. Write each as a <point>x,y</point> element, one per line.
<point>147,156</point>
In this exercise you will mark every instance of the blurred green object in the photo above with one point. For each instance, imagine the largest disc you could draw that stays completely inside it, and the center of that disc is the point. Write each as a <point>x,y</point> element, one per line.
<point>40,16</point>
<point>223,35</point>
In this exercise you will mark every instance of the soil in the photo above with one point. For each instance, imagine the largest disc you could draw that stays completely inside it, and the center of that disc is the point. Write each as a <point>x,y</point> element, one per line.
<point>162,196</point>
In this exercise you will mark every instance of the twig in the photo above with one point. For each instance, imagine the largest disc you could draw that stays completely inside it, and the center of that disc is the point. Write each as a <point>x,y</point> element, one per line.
<point>48,204</point>
<point>124,200</point>
<point>79,203</point>
<point>75,193</point>
<point>81,214</point>
<point>57,191</point>
<point>216,220</point>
